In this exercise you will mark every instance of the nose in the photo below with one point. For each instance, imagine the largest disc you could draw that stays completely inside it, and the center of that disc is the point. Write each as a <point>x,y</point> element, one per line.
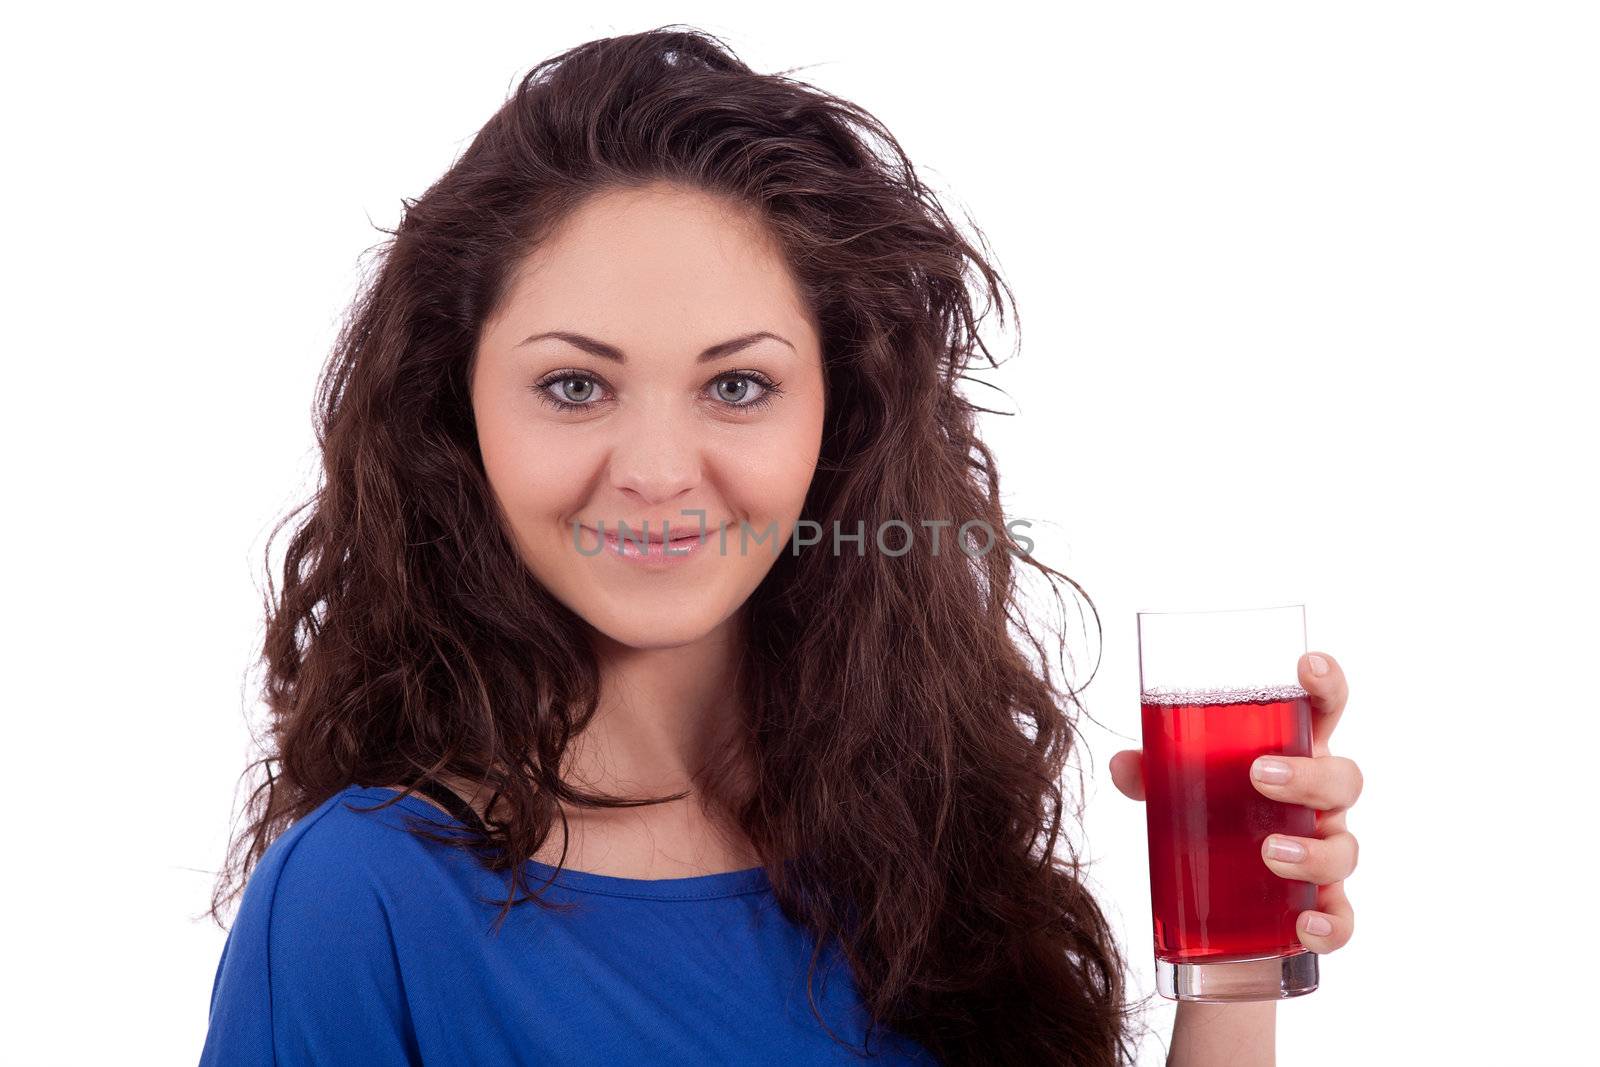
<point>658,458</point>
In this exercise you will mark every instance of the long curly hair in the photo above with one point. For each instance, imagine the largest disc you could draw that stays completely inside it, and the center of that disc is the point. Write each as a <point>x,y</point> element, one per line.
<point>906,732</point>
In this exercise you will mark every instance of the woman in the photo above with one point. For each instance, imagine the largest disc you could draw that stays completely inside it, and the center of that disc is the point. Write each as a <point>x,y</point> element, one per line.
<point>551,781</point>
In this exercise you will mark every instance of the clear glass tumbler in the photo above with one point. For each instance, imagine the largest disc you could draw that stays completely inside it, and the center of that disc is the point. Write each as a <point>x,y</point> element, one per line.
<point>1216,690</point>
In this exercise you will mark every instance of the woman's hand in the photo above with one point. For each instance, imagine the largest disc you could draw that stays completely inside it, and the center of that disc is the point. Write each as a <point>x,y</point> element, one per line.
<point>1328,783</point>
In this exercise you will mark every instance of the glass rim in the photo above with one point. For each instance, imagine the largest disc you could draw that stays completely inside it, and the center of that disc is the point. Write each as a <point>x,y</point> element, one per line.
<point>1221,611</point>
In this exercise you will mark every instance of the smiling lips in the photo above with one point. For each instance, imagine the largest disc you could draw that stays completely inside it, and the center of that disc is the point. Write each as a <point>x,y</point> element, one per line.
<point>655,550</point>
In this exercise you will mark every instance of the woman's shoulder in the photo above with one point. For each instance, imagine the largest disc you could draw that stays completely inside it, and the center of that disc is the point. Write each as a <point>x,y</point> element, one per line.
<point>353,835</point>
<point>348,860</point>
<point>310,953</point>
<point>335,857</point>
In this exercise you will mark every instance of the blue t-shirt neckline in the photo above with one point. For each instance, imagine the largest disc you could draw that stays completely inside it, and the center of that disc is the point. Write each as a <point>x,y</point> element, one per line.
<point>694,887</point>
<point>357,941</point>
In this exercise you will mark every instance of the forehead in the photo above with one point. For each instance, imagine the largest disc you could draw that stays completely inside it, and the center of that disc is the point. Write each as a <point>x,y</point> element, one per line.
<point>657,254</point>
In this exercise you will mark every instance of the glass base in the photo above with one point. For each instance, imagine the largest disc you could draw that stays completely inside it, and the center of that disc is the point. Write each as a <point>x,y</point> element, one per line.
<point>1219,982</point>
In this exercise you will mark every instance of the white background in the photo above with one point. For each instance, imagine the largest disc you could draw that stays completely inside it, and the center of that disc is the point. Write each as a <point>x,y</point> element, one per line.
<point>1308,297</point>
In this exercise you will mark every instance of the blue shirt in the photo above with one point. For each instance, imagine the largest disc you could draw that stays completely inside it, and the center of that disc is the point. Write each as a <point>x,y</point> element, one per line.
<point>357,943</point>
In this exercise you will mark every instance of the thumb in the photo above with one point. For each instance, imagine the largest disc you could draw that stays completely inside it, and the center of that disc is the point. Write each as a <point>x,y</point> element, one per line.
<point>1127,772</point>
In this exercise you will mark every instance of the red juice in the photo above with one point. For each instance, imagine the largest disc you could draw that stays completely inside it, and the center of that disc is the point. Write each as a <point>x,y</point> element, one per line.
<point>1213,897</point>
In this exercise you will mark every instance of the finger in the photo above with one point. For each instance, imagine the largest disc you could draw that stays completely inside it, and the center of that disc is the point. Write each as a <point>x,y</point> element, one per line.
<point>1127,772</point>
<point>1334,908</point>
<point>1327,783</point>
<point>1330,823</point>
<point>1328,692</point>
<point>1319,860</point>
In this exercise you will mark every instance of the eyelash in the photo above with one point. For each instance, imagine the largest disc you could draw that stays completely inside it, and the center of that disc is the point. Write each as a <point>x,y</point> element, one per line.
<point>769,389</point>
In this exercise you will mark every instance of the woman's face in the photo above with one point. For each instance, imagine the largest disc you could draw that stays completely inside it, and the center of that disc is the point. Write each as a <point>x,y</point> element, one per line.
<point>659,404</point>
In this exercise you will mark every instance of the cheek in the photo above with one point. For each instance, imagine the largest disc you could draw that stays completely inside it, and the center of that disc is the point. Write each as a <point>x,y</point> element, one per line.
<point>537,479</point>
<point>768,478</point>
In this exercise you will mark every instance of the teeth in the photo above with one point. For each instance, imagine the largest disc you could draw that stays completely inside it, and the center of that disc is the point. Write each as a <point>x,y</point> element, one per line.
<point>634,548</point>
<point>634,544</point>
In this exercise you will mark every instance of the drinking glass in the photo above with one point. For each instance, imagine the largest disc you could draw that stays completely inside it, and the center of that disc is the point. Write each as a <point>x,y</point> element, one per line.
<point>1216,690</point>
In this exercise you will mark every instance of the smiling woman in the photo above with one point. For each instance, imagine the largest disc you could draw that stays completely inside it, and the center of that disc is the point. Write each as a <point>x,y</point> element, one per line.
<point>745,797</point>
<point>652,440</point>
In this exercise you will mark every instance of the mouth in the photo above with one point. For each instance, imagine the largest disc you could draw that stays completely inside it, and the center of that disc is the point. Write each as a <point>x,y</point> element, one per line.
<point>648,545</point>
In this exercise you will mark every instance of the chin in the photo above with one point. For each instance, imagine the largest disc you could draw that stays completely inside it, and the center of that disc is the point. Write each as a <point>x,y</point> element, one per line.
<point>639,631</point>
<point>648,618</point>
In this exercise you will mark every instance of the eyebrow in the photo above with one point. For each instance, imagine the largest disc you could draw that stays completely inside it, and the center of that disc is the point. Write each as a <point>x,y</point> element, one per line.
<point>605,351</point>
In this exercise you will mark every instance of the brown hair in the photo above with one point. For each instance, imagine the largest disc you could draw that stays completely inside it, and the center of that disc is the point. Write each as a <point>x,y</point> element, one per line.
<point>908,749</point>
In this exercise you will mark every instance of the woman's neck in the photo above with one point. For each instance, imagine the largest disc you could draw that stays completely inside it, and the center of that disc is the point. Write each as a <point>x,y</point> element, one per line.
<point>665,715</point>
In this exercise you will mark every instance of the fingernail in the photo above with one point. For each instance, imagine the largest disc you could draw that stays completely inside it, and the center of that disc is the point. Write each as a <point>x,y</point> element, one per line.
<point>1281,848</point>
<point>1269,770</point>
<point>1319,926</point>
<point>1319,666</point>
